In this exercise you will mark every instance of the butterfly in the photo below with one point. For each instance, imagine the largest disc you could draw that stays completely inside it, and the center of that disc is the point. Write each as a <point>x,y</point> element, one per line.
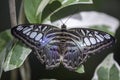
<point>69,47</point>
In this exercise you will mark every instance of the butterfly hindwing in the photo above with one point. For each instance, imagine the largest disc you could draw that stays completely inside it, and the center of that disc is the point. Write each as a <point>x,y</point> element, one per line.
<point>49,55</point>
<point>52,56</point>
<point>72,58</point>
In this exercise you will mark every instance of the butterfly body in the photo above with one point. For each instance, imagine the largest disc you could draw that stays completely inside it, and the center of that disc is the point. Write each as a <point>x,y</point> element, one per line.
<point>55,46</point>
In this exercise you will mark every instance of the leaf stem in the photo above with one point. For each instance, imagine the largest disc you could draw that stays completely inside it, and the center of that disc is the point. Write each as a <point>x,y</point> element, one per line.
<point>13,20</point>
<point>21,17</point>
<point>25,71</point>
<point>12,9</point>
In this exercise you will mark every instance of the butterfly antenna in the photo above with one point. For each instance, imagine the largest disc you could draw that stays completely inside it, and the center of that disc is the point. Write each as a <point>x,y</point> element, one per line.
<point>64,26</point>
<point>67,19</point>
<point>69,16</point>
<point>56,17</point>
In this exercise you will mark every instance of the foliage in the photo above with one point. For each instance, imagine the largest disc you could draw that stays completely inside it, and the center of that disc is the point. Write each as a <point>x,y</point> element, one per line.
<point>13,54</point>
<point>107,70</point>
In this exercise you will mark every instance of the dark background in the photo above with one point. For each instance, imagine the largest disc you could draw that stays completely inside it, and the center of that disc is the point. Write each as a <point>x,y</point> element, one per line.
<point>111,7</point>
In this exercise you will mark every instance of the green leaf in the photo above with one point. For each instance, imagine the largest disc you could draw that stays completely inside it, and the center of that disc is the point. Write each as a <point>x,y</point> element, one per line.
<point>107,70</point>
<point>62,12</point>
<point>39,11</point>
<point>80,69</point>
<point>5,37</point>
<point>11,56</point>
<point>69,8</point>
<point>70,2</point>
<point>16,56</point>
<point>114,72</point>
<point>5,40</point>
<point>33,9</point>
<point>49,9</point>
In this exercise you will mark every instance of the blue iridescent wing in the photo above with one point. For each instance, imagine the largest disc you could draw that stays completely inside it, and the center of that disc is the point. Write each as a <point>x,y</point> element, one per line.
<point>83,43</point>
<point>38,37</point>
<point>49,55</point>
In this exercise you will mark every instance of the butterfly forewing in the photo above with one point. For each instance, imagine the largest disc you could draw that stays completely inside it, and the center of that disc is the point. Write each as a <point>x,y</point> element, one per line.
<point>33,35</point>
<point>92,40</point>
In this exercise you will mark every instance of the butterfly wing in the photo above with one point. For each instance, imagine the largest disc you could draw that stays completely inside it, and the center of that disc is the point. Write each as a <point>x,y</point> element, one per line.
<point>33,35</point>
<point>85,42</point>
<point>49,55</point>
<point>37,37</point>
<point>93,40</point>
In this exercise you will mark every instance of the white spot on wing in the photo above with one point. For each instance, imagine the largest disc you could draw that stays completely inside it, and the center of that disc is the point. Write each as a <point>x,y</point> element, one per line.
<point>27,30</point>
<point>39,27</point>
<point>96,32</point>
<point>82,32</point>
<point>86,40</point>
<point>82,44</point>
<point>31,26</point>
<point>88,32</point>
<point>41,41</point>
<point>38,37</point>
<point>19,28</point>
<point>36,29</point>
<point>92,40</point>
<point>28,33</point>
<point>97,40</point>
<point>33,34</point>
<point>44,28</point>
<point>107,36</point>
<point>90,35</point>
<point>100,38</point>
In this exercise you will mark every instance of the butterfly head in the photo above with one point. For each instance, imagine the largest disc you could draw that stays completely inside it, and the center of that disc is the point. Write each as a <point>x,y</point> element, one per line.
<point>63,27</point>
